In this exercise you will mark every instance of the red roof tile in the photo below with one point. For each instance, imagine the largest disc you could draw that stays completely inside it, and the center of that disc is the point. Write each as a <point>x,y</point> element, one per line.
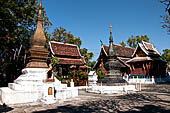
<point>62,49</point>
<point>70,61</point>
<point>121,51</point>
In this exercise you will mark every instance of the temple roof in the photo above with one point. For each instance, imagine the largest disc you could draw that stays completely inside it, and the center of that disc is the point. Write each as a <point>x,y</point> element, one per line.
<point>151,54</point>
<point>138,59</point>
<point>123,53</point>
<point>147,48</point>
<point>71,61</point>
<point>120,51</point>
<point>66,53</point>
<point>141,59</point>
<point>64,49</point>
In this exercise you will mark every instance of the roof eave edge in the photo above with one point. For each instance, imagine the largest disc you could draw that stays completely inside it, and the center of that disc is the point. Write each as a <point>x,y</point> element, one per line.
<point>51,48</point>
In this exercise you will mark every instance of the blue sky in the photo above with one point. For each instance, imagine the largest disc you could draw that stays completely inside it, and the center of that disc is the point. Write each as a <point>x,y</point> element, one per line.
<point>90,20</point>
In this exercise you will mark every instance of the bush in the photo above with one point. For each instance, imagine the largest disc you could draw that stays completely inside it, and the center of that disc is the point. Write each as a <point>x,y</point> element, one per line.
<point>100,74</point>
<point>58,77</point>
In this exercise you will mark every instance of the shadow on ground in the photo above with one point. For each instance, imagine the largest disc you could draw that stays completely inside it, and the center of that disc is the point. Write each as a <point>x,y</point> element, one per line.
<point>147,109</point>
<point>130,103</point>
<point>87,109</point>
<point>4,108</point>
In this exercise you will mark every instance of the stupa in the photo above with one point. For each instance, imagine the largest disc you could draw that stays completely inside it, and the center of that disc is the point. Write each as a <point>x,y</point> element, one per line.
<point>34,85</point>
<point>113,65</point>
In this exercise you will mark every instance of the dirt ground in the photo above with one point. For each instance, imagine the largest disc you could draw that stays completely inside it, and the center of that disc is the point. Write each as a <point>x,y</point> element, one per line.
<point>152,99</point>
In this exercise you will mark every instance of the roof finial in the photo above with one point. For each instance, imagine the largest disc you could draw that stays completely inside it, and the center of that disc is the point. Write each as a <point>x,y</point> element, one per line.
<point>111,50</point>
<point>110,28</point>
<point>39,12</point>
<point>111,39</point>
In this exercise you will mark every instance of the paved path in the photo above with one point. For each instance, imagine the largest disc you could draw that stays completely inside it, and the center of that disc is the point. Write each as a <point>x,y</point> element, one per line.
<point>153,99</point>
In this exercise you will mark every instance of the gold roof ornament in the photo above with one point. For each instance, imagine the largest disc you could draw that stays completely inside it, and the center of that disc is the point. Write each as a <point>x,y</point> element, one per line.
<point>110,28</point>
<point>111,38</point>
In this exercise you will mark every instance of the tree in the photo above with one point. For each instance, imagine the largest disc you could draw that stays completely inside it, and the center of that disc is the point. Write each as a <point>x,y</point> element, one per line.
<point>133,41</point>
<point>17,24</point>
<point>87,56</point>
<point>166,55</point>
<point>166,17</point>
<point>123,44</point>
<point>61,35</point>
<point>91,64</point>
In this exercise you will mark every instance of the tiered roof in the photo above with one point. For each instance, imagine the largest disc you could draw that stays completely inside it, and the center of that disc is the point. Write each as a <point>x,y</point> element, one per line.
<point>66,53</point>
<point>147,48</point>
<point>151,54</point>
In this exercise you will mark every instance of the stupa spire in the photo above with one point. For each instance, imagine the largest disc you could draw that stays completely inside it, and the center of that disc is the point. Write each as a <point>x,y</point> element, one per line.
<point>38,39</point>
<point>111,50</point>
<point>39,11</point>
<point>111,38</point>
<point>38,53</point>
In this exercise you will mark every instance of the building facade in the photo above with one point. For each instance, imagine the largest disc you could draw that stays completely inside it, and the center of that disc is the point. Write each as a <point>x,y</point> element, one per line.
<point>71,63</point>
<point>147,62</point>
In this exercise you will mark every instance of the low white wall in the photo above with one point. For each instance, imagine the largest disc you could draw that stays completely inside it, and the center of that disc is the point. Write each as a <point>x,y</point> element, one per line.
<point>111,89</point>
<point>141,80</point>
<point>9,96</point>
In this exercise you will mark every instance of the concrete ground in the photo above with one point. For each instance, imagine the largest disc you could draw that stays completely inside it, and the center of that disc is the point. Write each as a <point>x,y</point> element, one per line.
<point>152,99</point>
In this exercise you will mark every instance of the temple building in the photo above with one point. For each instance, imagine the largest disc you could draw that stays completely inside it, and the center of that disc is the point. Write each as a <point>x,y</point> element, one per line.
<point>114,56</point>
<point>147,61</point>
<point>69,58</point>
<point>142,62</point>
<point>112,62</point>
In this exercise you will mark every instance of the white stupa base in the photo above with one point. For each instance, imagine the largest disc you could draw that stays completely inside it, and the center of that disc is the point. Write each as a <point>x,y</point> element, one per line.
<point>31,87</point>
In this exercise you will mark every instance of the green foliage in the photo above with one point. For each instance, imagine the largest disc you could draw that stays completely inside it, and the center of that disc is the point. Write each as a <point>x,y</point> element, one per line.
<point>54,60</point>
<point>166,55</point>
<point>17,23</point>
<point>133,41</point>
<point>58,77</point>
<point>77,76</point>
<point>166,16</point>
<point>61,35</point>
<point>91,64</point>
<point>72,74</point>
<point>82,76</point>
<point>87,56</point>
<point>123,44</point>
<point>100,74</point>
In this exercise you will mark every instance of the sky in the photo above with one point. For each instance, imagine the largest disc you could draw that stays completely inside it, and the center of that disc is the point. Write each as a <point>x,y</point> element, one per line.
<point>90,20</point>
